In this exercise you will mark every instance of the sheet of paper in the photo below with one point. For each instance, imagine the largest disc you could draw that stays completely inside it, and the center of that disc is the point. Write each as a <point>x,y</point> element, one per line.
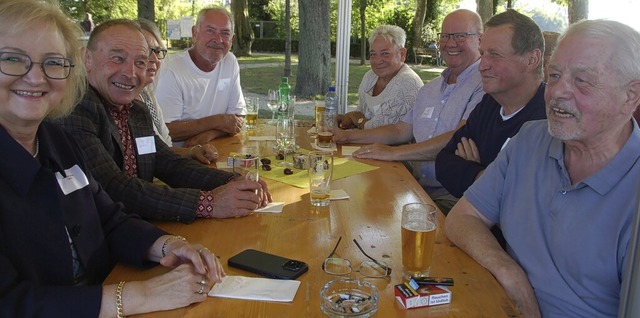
<point>273,207</point>
<point>240,287</point>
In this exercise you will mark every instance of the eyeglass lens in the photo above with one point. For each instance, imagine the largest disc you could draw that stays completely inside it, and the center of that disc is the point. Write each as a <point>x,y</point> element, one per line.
<point>458,37</point>
<point>17,64</point>
<point>340,266</point>
<point>160,53</point>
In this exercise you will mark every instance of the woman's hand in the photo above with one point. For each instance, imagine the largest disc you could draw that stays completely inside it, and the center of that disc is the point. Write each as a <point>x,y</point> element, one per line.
<point>201,259</point>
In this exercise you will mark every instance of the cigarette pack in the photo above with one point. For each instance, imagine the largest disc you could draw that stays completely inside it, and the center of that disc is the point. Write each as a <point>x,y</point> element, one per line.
<point>412,295</point>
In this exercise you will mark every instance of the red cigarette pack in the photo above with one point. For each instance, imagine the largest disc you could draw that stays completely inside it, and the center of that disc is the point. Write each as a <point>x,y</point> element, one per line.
<point>423,296</point>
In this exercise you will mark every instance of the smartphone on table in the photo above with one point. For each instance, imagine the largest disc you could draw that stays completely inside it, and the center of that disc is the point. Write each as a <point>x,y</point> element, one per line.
<point>268,265</point>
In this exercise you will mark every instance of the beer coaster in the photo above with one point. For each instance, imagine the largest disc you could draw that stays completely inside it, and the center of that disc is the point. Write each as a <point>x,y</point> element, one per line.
<point>349,150</point>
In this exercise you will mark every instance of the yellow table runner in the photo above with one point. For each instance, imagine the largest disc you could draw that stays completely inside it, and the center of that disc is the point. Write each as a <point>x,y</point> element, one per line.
<point>342,168</point>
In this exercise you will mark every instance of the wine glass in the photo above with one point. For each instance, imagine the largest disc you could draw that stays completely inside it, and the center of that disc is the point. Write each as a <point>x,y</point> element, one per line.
<point>285,139</point>
<point>272,102</point>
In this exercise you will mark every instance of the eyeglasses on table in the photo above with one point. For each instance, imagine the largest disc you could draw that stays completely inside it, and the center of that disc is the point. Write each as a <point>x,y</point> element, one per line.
<point>340,266</point>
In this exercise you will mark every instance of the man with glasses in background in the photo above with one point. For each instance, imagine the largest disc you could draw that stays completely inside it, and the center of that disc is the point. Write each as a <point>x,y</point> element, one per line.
<point>199,89</point>
<point>442,105</point>
<point>511,69</point>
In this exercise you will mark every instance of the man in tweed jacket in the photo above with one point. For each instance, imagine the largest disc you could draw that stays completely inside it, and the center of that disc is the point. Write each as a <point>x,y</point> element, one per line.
<point>116,134</point>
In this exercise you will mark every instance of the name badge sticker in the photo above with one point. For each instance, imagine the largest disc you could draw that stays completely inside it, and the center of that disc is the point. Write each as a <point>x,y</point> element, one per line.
<point>427,113</point>
<point>75,180</point>
<point>146,145</point>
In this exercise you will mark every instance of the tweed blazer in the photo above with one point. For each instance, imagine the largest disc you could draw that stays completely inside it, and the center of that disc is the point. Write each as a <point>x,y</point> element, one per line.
<point>100,140</point>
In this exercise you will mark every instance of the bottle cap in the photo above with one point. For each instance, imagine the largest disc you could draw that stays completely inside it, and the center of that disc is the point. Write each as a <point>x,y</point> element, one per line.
<point>332,88</point>
<point>285,79</point>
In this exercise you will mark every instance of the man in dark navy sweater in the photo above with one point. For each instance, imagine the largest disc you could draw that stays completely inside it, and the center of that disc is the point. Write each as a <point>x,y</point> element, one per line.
<point>511,67</point>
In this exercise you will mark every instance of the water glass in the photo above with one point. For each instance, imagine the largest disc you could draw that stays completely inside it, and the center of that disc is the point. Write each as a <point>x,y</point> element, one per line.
<point>320,173</point>
<point>272,102</point>
<point>419,222</point>
<point>285,139</point>
<point>247,166</point>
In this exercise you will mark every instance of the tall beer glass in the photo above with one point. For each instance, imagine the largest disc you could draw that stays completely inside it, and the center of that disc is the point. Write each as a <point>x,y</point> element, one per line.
<point>419,222</point>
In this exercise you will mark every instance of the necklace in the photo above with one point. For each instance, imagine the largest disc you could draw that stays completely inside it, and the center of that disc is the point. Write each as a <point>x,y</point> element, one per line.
<point>37,147</point>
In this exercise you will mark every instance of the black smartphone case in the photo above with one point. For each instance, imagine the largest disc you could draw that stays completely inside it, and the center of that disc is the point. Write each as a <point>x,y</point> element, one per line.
<point>268,265</point>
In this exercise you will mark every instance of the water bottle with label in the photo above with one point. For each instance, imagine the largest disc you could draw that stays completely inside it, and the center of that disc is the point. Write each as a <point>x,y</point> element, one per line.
<point>331,106</point>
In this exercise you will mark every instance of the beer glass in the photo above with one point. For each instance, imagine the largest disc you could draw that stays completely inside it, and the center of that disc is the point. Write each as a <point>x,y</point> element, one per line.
<point>251,119</point>
<point>320,173</point>
<point>419,222</point>
<point>324,137</point>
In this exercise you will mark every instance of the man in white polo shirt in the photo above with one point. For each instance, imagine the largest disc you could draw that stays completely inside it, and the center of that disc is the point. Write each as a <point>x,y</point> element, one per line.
<point>199,89</point>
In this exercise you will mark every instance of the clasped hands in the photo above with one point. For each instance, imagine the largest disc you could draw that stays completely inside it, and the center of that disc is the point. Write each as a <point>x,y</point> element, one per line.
<point>351,120</point>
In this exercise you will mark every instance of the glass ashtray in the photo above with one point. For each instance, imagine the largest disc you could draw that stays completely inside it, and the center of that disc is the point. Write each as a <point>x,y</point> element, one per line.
<point>349,298</point>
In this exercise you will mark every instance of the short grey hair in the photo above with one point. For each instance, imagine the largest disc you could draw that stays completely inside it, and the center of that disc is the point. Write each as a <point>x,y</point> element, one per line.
<point>624,38</point>
<point>391,33</point>
<point>215,9</point>
<point>152,28</point>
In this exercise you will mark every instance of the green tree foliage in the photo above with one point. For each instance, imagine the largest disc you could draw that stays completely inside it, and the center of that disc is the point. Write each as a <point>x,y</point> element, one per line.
<point>101,10</point>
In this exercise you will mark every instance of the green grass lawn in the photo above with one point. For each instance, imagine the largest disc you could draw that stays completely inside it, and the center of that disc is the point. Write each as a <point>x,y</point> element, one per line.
<point>260,79</point>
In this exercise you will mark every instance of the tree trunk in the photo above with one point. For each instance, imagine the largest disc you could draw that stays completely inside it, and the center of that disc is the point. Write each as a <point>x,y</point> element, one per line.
<point>363,32</point>
<point>146,9</point>
<point>418,22</point>
<point>287,40</point>
<point>485,9</point>
<point>243,32</point>
<point>578,10</point>
<point>314,49</point>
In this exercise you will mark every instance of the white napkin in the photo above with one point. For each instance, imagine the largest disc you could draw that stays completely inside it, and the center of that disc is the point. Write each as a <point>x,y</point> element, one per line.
<point>339,194</point>
<point>315,146</point>
<point>262,138</point>
<point>349,150</point>
<point>240,287</point>
<point>273,207</point>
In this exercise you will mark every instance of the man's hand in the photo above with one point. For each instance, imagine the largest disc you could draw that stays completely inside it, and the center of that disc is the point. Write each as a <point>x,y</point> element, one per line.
<point>205,153</point>
<point>375,151</point>
<point>468,150</point>
<point>351,120</point>
<point>204,137</point>
<point>229,123</point>
<point>239,198</point>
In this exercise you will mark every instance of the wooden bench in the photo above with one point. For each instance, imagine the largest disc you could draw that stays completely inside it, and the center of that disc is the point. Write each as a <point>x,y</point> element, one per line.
<point>426,53</point>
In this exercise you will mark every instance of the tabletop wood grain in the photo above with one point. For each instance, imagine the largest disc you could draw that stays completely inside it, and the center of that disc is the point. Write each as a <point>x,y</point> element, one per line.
<point>303,232</point>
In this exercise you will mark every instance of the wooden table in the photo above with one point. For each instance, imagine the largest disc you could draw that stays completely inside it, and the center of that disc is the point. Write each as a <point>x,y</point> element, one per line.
<point>303,232</point>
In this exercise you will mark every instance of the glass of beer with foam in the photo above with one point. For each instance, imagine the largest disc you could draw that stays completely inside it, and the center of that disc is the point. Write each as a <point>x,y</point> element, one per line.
<point>419,222</point>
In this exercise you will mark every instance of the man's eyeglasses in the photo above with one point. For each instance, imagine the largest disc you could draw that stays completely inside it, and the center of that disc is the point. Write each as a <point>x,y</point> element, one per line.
<point>458,37</point>
<point>18,64</point>
<point>340,266</point>
<point>160,53</point>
